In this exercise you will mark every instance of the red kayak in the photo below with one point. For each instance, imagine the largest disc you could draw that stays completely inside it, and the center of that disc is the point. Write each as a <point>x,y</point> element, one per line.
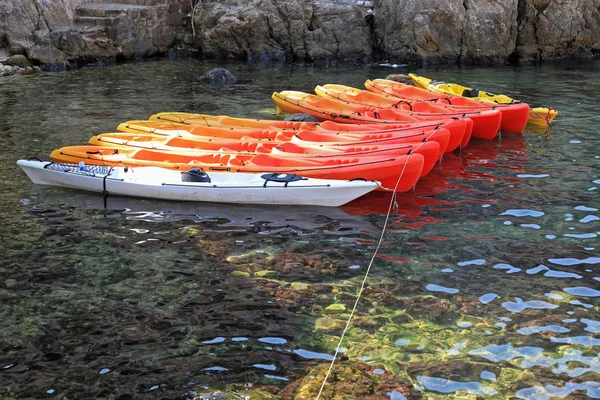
<point>486,123</point>
<point>514,116</point>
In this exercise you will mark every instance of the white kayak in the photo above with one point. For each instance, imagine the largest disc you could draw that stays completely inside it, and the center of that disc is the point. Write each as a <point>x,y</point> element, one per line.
<point>196,185</point>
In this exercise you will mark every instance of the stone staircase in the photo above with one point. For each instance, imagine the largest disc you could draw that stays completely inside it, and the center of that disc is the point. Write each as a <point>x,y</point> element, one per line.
<point>107,13</point>
<point>135,28</point>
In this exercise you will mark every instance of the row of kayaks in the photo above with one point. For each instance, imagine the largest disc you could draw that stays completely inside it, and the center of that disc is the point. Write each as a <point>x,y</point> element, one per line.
<point>541,116</point>
<point>384,138</point>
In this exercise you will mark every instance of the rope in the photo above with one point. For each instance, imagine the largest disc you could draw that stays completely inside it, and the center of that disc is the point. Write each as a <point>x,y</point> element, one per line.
<point>393,204</point>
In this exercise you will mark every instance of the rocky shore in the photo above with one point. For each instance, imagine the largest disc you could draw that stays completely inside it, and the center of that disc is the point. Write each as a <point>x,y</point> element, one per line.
<point>61,33</point>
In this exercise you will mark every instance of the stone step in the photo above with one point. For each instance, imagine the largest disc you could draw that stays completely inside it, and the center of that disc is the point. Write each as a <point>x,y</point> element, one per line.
<point>112,10</point>
<point>97,21</point>
<point>130,2</point>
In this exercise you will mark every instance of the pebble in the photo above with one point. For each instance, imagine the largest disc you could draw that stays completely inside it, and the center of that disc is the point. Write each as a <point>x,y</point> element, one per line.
<point>10,283</point>
<point>6,70</point>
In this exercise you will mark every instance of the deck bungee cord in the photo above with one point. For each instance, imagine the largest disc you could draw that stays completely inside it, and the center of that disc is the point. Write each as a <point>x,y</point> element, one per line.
<point>393,205</point>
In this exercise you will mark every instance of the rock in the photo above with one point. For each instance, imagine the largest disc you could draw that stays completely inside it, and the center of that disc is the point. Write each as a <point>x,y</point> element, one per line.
<point>139,48</point>
<point>28,71</point>
<point>47,54</point>
<point>557,28</point>
<point>356,381</point>
<point>9,283</point>
<point>18,60</point>
<point>300,117</point>
<point>327,324</point>
<point>301,286</point>
<point>287,29</point>
<point>216,396</point>
<point>335,309</point>
<point>218,77</point>
<point>266,274</point>
<point>6,70</point>
<point>400,78</point>
<point>435,31</point>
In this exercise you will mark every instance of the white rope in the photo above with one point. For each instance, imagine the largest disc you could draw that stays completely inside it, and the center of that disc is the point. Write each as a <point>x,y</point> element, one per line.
<point>364,281</point>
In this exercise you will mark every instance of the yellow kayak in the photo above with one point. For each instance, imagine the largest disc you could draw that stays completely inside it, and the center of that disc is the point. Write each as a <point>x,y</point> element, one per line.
<point>537,116</point>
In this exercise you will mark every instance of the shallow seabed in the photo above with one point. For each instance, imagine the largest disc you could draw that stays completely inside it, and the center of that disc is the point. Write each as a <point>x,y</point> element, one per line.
<point>486,285</point>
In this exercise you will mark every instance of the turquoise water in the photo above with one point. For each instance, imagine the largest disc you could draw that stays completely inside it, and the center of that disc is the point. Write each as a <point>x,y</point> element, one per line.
<point>486,285</point>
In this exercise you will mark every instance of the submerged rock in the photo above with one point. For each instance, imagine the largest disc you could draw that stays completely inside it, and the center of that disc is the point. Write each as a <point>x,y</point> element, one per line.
<point>329,324</point>
<point>349,381</point>
<point>301,117</point>
<point>402,78</point>
<point>266,274</point>
<point>218,77</point>
<point>335,309</point>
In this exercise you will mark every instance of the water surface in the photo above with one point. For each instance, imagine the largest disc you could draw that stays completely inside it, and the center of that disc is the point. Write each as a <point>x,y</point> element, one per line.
<point>486,285</point>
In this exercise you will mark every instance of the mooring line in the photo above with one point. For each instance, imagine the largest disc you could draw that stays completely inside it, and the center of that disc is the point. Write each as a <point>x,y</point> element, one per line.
<point>364,281</point>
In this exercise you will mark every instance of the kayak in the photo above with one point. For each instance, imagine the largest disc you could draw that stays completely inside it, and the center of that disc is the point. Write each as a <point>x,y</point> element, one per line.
<point>195,185</point>
<point>486,123</point>
<point>430,150</point>
<point>433,133</point>
<point>386,170</point>
<point>184,121</point>
<point>441,136</point>
<point>542,116</point>
<point>251,134</point>
<point>322,108</point>
<point>514,116</point>
<point>226,121</point>
<point>176,120</point>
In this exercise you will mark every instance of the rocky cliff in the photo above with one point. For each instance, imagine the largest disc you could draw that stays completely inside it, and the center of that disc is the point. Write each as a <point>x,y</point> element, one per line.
<point>403,30</point>
<point>470,31</point>
<point>57,32</point>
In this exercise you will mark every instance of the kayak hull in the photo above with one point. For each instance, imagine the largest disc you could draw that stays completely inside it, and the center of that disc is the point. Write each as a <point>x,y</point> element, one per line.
<point>386,170</point>
<point>514,116</point>
<point>159,183</point>
<point>541,116</point>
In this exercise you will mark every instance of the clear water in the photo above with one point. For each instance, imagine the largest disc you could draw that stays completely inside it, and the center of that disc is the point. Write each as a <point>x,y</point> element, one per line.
<point>487,284</point>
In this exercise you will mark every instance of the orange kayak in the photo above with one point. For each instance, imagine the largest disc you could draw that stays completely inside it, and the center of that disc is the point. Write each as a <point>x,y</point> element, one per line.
<point>322,108</point>
<point>174,129</point>
<point>441,136</point>
<point>486,123</point>
<point>175,120</point>
<point>429,150</point>
<point>514,116</point>
<point>401,172</point>
<point>255,134</point>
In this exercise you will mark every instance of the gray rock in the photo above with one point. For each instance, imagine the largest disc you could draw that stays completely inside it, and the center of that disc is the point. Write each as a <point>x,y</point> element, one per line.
<point>216,396</point>
<point>301,118</point>
<point>47,54</point>
<point>218,77</point>
<point>18,60</point>
<point>400,78</point>
<point>296,29</point>
<point>432,31</point>
<point>7,70</point>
